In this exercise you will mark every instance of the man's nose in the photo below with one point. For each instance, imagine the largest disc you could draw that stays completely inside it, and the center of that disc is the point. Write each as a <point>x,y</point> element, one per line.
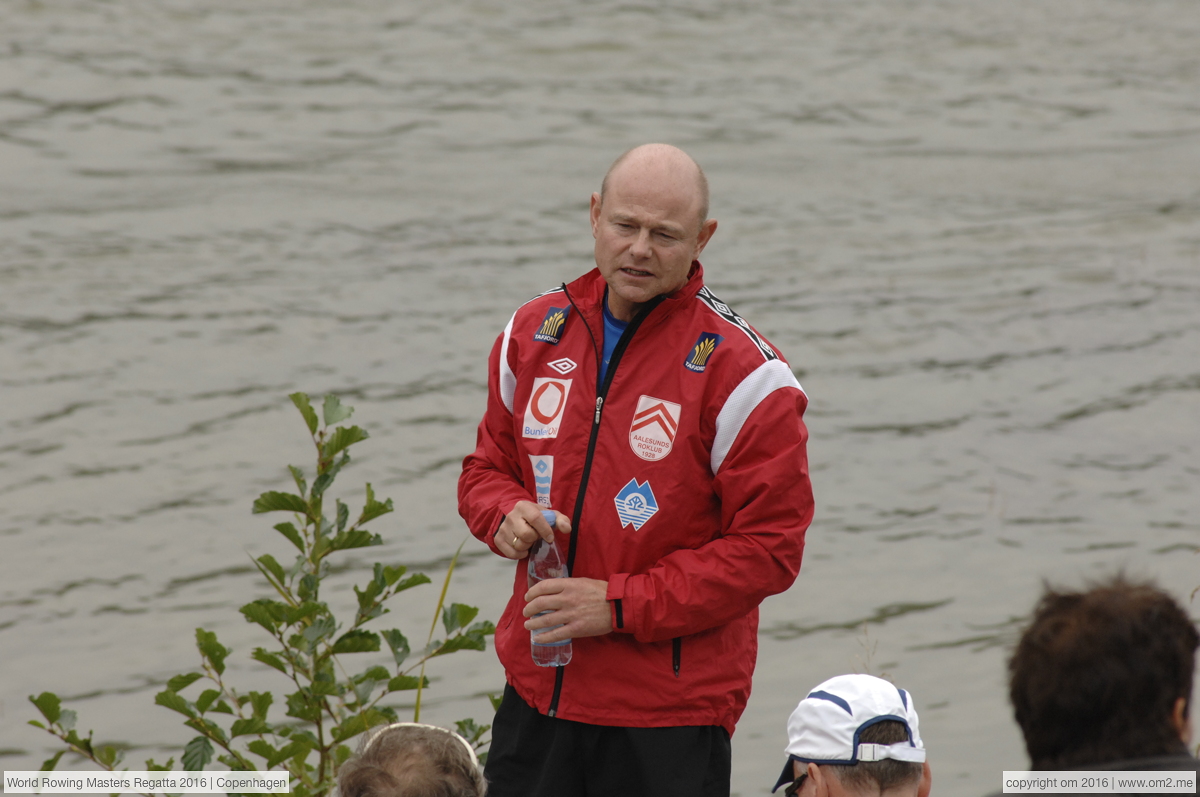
<point>641,245</point>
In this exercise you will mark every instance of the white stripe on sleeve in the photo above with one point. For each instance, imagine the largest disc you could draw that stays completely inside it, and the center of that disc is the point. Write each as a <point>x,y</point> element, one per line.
<point>508,380</point>
<point>762,381</point>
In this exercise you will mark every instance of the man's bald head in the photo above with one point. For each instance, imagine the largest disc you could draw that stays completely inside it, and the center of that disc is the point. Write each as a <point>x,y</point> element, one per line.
<point>665,160</point>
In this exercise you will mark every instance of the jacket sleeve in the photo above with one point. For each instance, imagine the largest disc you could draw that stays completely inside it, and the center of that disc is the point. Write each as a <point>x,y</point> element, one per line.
<point>761,480</point>
<point>490,484</point>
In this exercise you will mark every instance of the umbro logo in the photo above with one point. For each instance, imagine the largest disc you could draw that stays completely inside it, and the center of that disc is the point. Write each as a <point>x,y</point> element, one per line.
<point>563,366</point>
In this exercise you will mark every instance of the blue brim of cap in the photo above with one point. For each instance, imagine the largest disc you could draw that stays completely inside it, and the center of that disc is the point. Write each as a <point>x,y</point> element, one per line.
<point>785,777</point>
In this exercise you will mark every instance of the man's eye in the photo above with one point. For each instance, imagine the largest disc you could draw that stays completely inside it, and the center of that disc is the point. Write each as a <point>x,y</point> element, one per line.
<point>662,236</point>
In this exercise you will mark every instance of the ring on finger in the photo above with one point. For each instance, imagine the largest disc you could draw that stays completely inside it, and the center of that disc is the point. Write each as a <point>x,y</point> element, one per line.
<point>515,540</point>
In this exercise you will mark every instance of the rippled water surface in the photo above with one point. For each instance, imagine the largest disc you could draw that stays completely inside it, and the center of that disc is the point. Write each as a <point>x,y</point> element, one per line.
<point>974,228</point>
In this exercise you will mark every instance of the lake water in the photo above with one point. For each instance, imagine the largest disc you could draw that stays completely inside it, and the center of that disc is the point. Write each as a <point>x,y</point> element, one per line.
<point>973,228</point>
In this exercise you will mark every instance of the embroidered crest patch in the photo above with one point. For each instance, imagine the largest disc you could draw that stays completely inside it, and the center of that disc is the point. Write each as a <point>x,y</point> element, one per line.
<point>706,344</point>
<point>552,325</point>
<point>543,474</point>
<point>544,412</point>
<point>636,504</point>
<point>655,423</point>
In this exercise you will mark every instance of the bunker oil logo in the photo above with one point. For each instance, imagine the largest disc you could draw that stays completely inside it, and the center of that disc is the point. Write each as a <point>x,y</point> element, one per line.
<point>544,412</point>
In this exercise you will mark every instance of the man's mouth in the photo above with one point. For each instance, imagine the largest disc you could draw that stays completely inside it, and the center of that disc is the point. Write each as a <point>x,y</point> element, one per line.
<point>636,272</point>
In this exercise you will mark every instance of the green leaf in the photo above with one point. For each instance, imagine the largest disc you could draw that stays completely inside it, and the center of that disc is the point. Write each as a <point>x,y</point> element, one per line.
<point>356,641</point>
<point>181,682</point>
<point>483,628</point>
<point>206,699</point>
<point>109,756</point>
<point>261,747</point>
<point>289,751</point>
<point>211,649</point>
<point>66,719</point>
<point>176,703</point>
<point>49,704</point>
<point>357,724</point>
<point>471,731</point>
<point>256,612</point>
<point>308,584</point>
<point>321,628</point>
<point>343,515</point>
<point>458,615</point>
<point>293,535</point>
<point>355,539</point>
<point>416,579</point>
<point>298,477</point>
<point>373,509</point>
<point>152,766</point>
<point>208,728</point>
<point>303,707</point>
<point>399,645</point>
<point>402,683</point>
<point>341,754</point>
<point>248,727</point>
<point>269,659</point>
<point>304,611</point>
<point>334,411</point>
<point>274,501</point>
<point>267,564</point>
<point>321,484</point>
<point>495,700</point>
<point>342,438</point>
<point>367,595</point>
<point>222,708</point>
<point>456,643</point>
<point>50,763</point>
<point>302,404</point>
<point>197,753</point>
<point>375,673</point>
<point>260,702</point>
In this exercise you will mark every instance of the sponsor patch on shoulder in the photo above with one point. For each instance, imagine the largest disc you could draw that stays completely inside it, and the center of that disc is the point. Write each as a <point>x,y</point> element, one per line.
<point>655,423</point>
<point>552,325</point>
<point>636,504</point>
<point>564,366</point>
<point>706,344</point>
<point>543,474</point>
<point>544,412</point>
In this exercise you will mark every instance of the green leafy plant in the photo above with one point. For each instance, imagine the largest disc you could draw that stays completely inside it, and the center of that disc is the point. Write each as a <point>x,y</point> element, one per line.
<point>332,696</point>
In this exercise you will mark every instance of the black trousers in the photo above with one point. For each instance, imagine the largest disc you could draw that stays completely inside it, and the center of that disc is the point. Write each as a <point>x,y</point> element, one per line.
<point>533,755</point>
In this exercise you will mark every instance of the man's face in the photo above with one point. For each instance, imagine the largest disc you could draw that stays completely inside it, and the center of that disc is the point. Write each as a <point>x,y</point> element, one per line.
<point>648,232</point>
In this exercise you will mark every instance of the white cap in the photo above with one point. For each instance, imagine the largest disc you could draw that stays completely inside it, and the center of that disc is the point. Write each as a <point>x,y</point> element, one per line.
<point>826,725</point>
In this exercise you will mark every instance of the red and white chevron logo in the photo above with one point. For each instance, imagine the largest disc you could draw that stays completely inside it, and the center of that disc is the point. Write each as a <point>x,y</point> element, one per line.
<point>655,424</point>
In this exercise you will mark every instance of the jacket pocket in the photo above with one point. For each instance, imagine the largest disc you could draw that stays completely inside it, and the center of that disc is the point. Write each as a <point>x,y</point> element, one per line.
<point>676,654</point>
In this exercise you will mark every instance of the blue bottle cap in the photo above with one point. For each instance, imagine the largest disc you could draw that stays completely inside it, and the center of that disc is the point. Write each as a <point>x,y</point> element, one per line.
<point>550,517</point>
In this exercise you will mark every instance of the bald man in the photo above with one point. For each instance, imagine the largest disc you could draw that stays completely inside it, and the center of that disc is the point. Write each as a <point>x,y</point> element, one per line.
<point>666,436</point>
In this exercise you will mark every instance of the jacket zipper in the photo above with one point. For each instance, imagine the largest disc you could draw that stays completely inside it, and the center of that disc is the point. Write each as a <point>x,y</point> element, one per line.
<point>601,393</point>
<point>676,653</point>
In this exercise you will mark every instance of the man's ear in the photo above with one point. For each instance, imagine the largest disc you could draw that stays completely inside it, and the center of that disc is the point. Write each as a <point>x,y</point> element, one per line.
<point>1180,720</point>
<point>926,780</point>
<point>819,780</point>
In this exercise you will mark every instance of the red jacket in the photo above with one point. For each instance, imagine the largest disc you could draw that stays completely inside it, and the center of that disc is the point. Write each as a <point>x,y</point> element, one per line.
<point>692,506</point>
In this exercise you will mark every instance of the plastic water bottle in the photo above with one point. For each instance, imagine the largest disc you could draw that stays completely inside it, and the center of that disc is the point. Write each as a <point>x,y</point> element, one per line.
<point>546,561</point>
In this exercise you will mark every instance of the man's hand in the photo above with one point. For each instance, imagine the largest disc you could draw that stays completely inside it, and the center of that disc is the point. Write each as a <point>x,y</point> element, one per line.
<point>523,526</point>
<point>576,603</point>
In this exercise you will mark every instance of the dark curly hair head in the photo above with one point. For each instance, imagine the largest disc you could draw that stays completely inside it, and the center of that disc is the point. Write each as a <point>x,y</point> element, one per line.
<point>1097,674</point>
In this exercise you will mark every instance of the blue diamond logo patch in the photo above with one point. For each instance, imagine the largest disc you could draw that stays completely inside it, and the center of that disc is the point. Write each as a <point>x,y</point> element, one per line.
<point>636,504</point>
